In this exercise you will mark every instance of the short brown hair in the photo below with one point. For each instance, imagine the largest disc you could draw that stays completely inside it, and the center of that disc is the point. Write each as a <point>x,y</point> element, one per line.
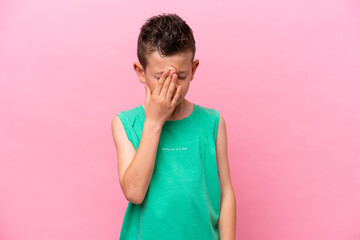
<point>166,33</point>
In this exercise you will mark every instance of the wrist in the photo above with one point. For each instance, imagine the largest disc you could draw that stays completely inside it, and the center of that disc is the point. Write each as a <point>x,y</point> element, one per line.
<point>153,125</point>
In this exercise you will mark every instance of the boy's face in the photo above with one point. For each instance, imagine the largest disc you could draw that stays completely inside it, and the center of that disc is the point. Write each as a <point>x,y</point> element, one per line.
<point>180,62</point>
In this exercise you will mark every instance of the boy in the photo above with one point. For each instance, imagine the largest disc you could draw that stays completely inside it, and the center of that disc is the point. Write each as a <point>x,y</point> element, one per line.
<point>172,154</point>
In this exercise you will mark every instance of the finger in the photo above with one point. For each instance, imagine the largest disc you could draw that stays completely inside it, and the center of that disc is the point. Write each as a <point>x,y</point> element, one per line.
<point>176,96</point>
<point>160,83</point>
<point>171,89</point>
<point>166,84</point>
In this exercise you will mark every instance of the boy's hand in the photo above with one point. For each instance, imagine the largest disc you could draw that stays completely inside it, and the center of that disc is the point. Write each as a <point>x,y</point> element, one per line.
<point>160,104</point>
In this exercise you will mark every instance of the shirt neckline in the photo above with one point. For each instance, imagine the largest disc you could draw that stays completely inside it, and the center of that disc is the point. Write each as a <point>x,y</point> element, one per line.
<point>174,122</point>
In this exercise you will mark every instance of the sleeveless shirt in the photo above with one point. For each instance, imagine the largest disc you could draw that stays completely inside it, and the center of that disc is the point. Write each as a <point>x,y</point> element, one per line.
<point>183,197</point>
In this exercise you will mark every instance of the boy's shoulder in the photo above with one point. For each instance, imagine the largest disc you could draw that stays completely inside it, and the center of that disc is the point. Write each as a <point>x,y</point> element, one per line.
<point>209,118</point>
<point>213,112</point>
<point>131,114</point>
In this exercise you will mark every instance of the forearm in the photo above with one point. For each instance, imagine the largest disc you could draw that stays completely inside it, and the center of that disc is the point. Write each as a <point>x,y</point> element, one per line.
<point>227,219</point>
<point>138,175</point>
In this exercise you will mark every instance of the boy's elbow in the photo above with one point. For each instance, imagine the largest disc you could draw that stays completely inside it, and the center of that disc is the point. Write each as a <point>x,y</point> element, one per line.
<point>132,193</point>
<point>134,198</point>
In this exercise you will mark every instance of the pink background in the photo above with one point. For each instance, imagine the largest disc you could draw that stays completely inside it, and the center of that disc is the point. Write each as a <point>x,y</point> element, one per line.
<point>284,74</point>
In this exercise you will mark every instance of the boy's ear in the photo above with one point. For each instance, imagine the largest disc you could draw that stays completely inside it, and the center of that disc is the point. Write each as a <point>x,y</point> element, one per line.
<point>140,72</point>
<point>194,67</point>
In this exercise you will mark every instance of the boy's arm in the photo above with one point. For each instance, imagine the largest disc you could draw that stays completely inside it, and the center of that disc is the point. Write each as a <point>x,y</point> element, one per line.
<point>135,167</point>
<point>227,219</point>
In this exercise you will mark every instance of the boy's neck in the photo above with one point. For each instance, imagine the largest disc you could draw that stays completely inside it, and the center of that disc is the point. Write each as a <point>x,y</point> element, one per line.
<point>181,111</point>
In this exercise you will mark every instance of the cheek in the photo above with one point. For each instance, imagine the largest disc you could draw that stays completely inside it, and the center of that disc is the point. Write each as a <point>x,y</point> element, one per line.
<point>184,89</point>
<point>151,84</point>
<point>183,84</point>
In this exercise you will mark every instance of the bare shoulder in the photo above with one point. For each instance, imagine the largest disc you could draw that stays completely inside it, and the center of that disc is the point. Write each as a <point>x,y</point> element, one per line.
<point>221,139</point>
<point>116,124</point>
<point>221,121</point>
<point>221,132</point>
<point>124,148</point>
<point>118,131</point>
<point>222,157</point>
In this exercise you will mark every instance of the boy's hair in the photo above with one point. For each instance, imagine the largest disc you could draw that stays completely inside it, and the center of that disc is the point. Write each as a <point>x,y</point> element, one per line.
<point>166,33</point>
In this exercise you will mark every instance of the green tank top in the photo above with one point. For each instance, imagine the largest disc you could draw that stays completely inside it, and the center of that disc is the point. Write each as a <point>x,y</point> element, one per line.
<point>183,198</point>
